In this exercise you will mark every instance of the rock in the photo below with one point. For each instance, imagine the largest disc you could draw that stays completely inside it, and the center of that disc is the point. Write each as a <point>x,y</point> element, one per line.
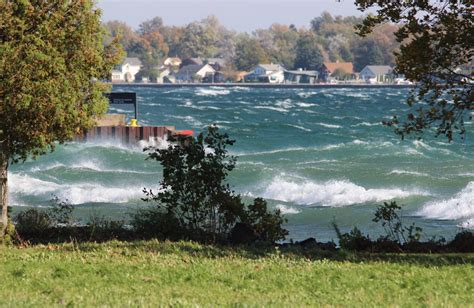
<point>308,243</point>
<point>242,234</point>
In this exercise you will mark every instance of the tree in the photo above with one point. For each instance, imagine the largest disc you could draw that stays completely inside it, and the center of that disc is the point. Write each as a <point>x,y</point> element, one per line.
<point>248,53</point>
<point>437,52</point>
<point>367,52</point>
<point>52,57</point>
<point>308,54</point>
<point>122,31</point>
<point>153,25</point>
<point>195,193</point>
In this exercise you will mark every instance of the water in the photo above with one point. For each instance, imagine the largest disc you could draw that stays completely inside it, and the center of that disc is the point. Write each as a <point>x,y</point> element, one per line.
<point>317,154</point>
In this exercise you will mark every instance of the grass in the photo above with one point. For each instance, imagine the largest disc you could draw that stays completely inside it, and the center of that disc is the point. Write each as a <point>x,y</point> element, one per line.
<point>153,273</point>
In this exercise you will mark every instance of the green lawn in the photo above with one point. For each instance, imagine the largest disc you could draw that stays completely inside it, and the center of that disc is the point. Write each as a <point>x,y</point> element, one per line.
<point>155,273</point>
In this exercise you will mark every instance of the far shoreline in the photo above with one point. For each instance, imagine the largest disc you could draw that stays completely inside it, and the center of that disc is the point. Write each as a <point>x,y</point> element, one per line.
<point>261,85</point>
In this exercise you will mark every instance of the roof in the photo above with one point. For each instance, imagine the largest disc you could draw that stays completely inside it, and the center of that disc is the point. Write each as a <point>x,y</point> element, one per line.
<point>190,70</point>
<point>272,67</point>
<point>219,61</point>
<point>333,66</point>
<point>132,61</point>
<point>379,69</point>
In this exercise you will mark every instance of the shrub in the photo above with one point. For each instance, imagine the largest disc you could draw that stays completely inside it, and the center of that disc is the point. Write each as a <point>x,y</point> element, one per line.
<point>61,212</point>
<point>354,240</point>
<point>33,221</point>
<point>196,196</point>
<point>392,222</point>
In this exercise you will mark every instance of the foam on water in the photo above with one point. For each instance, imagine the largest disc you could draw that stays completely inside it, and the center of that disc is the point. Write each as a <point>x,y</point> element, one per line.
<point>328,125</point>
<point>77,193</point>
<point>271,108</point>
<point>365,124</point>
<point>287,210</point>
<point>459,207</point>
<point>403,172</point>
<point>299,127</point>
<point>336,193</point>
<point>212,91</point>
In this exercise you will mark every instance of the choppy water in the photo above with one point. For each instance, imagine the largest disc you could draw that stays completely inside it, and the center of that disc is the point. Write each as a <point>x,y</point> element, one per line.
<point>317,154</point>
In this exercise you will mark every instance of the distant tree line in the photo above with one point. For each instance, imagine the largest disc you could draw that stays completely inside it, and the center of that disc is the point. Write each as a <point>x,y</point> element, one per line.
<point>329,38</point>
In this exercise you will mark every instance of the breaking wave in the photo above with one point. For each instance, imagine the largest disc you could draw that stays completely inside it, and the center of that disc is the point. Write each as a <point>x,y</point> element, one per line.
<point>287,209</point>
<point>212,92</point>
<point>331,193</point>
<point>328,125</point>
<point>459,207</point>
<point>78,193</point>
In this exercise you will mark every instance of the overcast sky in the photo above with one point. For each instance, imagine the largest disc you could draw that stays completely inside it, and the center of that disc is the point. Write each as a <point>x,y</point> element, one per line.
<point>241,15</point>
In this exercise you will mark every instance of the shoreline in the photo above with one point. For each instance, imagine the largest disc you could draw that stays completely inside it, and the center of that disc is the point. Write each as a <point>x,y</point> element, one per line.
<point>261,85</point>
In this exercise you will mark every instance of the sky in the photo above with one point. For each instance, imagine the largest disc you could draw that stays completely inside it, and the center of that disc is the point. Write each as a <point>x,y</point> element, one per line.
<point>240,15</point>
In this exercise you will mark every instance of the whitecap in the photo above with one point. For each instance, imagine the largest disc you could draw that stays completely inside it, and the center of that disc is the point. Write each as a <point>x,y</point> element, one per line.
<point>357,141</point>
<point>287,209</point>
<point>365,124</point>
<point>328,125</point>
<point>467,224</point>
<point>306,105</point>
<point>460,206</point>
<point>271,108</point>
<point>78,193</point>
<point>403,172</point>
<point>334,193</point>
<point>300,127</point>
<point>212,92</point>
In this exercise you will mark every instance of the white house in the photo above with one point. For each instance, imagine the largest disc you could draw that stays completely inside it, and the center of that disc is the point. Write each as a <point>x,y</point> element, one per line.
<point>272,73</point>
<point>376,73</point>
<point>127,70</point>
<point>196,72</point>
<point>172,62</point>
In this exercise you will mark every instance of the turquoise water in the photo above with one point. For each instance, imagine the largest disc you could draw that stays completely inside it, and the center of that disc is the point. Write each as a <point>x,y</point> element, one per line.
<point>317,154</point>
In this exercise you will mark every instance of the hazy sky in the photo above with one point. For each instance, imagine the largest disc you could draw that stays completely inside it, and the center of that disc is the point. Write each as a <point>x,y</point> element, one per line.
<point>241,15</point>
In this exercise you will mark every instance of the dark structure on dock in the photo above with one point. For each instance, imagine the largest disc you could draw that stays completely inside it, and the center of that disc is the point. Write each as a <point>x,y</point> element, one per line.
<point>113,126</point>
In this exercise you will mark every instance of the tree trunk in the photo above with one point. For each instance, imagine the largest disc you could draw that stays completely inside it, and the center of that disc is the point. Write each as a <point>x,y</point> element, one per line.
<point>3,194</point>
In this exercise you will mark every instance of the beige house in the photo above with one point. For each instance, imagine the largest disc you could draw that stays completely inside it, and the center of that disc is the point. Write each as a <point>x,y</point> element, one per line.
<point>196,73</point>
<point>172,62</point>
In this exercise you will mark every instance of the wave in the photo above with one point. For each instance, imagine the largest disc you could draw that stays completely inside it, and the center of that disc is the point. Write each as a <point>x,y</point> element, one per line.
<point>79,193</point>
<point>300,127</point>
<point>461,206</point>
<point>328,125</point>
<point>332,193</point>
<point>271,108</point>
<point>468,224</point>
<point>287,209</point>
<point>403,172</point>
<point>365,124</point>
<point>212,92</point>
<point>306,105</point>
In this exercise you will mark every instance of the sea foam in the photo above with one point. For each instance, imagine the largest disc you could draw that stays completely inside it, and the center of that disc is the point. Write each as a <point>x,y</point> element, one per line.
<point>335,193</point>
<point>78,193</point>
<point>212,92</point>
<point>460,206</point>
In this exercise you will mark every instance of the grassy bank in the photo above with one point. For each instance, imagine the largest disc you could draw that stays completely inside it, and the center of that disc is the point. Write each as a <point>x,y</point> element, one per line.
<point>153,273</point>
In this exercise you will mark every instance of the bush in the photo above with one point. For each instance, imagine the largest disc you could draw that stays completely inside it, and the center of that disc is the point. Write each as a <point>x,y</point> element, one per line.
<point>392,222</point>
<point>195,194</point>
<point>61,212</point>
<point>355,240</point>
<point>33,221</point>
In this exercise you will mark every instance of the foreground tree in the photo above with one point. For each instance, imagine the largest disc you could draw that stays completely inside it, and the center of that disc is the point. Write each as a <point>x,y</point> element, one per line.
<point>51,58</point>
<point>195,195</point>
<point>436,51</point>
